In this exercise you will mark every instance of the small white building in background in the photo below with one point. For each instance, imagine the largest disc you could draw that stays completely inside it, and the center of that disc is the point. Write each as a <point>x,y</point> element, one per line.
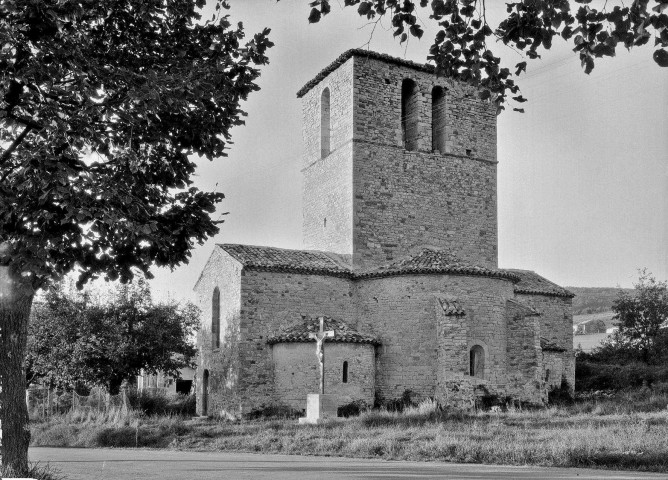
<point>167,384</point>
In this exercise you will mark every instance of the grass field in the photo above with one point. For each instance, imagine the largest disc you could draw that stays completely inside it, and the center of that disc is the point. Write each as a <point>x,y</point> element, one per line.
<point>620,433</point>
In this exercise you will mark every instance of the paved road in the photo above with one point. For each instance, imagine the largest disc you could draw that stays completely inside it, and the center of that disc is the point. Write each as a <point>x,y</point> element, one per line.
<point>108,464</point>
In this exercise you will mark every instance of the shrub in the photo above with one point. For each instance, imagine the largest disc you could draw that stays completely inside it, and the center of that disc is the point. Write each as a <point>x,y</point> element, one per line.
<point>561,395</point>
<point>601,376</point>
<point>352,409</point>
<point>157,403</point>
<point>148,402</point>
<point>274,411</point>
<point>182,405</point>
<point>407,399</point>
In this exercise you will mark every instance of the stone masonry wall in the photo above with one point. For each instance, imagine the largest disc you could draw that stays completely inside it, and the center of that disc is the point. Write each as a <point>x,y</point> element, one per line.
<point>327,194</point>
<point>270,302</point>
<point>556,325</point>
<point>224,272</point>
<point>404,200</point>
<point>296,372</point>
<point>554,369</point>
<point>524,355</point>
<point>401,312</point>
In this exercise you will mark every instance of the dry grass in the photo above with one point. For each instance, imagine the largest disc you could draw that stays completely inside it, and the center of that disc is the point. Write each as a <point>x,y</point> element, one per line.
<point>593,434</point>
<point>36,471</point>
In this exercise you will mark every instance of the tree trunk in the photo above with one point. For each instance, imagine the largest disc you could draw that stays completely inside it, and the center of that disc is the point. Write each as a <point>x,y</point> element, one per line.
<point>15,303</point>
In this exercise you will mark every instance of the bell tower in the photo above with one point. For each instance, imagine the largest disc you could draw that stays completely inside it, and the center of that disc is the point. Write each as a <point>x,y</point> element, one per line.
<point>397,159</point>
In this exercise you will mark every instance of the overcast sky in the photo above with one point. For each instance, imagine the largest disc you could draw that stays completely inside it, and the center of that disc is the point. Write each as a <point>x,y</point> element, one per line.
<point>582,175</point>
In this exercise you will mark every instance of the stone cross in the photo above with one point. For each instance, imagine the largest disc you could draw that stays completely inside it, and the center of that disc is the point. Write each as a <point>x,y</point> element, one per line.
<point>320,337</point>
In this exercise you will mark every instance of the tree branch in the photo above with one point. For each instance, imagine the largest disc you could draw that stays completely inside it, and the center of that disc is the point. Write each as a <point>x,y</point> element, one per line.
<point>17,141</point>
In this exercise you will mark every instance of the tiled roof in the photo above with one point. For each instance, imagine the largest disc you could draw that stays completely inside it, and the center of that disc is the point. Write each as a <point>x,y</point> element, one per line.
<point>343,333</point>
<point>435,261</point>
<point>428,261</point>
<point>361,53</point>
<point>284,260</point>
<point>532,283</point>
<point>548,346</point>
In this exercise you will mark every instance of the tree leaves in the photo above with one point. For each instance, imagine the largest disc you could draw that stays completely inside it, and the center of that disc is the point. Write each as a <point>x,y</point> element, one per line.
<point>661,57</point>
<point>529,27</point>
<point>75,340</point>
<point>642,315</point>
<point>117,95</point>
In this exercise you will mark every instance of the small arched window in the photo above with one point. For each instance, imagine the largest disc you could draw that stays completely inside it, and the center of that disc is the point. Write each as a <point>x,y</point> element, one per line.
<point>215,318</point>
<point>477,362</point>
<point>438,110</point>
<point>325,124</point>
<point>547,375</point>
<point>409,114</point>
<point>345,372</point>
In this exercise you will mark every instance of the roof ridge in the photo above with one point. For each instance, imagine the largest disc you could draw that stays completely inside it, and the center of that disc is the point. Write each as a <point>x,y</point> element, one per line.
<point>532,283</point>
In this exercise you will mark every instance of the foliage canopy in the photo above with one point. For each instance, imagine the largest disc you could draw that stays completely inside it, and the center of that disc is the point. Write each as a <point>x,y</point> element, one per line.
<point>101,105</point>
<point>643,318</point>
<point>460,47</point>
<point>76,341</point>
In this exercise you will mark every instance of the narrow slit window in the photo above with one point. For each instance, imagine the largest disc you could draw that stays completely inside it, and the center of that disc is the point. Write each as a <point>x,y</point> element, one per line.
<point>325,124</point>
<point>215,318</point>
<point>438,122</point>
<point>409,114</point>
<point>477,362</point>
<point>345,372</point>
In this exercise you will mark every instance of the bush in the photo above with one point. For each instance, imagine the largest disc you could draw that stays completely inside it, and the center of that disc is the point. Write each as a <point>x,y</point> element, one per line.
<point>407,399</point>
<point>274,411</point>
<point>601,376</point>
<point>157,403</point>
<point>352,409</point>
<point>561,395</point>
<point>182,405</point>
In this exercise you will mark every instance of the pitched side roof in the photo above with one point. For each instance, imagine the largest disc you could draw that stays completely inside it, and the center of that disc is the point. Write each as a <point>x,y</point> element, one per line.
<point>532,283</point>
<point>430,260</point>
<point>284,260</point>
<point>427,261</point>
<point>361,53</point>
<point>343,333</point>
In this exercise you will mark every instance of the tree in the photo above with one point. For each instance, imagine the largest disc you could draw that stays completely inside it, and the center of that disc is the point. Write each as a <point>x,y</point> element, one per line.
<point>74,341</point>
<point>460,46</point>
<point>101,105</point>
<point>642,316</point>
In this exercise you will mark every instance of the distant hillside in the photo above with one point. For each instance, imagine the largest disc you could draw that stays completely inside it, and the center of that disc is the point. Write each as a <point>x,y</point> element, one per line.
<point>594,299</point>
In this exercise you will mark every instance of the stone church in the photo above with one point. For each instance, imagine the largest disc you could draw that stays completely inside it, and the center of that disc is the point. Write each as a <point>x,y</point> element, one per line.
<point>400,258</point>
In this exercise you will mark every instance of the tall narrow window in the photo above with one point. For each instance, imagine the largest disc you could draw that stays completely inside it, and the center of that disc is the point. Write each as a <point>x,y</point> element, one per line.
<point>345,372</point>
<point>215,318</point>
<point>409,114</point>
<point>325,124</point>
<point>477,362</point>
<point>438,106</point>
<point>205,393</point>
